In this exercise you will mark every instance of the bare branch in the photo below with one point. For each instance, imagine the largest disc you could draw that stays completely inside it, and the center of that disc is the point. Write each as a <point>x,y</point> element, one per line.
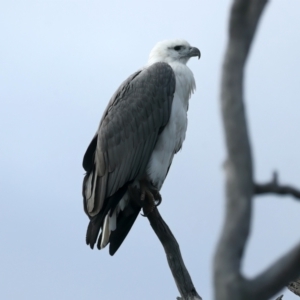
<point>273,187</point>
<point>228,281</point>
<point>272,280</point>
<point>280,297</point>
<point>179,271</point>
<point>244,18</point>
<point>229,284</point>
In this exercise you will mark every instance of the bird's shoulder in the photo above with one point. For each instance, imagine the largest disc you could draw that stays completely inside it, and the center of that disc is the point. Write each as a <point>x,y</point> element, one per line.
<point>150,78</point>
<point>138,97</point>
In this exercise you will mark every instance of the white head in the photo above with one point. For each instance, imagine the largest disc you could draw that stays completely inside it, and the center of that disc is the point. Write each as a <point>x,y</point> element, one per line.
<point>170,51</point>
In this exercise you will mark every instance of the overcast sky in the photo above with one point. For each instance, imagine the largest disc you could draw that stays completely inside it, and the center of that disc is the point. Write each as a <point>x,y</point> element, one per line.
<point>60,62</point>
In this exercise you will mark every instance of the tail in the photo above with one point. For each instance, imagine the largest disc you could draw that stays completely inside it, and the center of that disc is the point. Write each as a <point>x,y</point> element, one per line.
<point>114,221</point>
<point>125,220</point>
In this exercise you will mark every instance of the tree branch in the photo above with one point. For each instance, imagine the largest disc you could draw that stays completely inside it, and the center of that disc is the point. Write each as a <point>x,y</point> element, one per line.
<point>277,276</point>
<point>273,187</point>
<point>228,281</point>
<point>179,271</point>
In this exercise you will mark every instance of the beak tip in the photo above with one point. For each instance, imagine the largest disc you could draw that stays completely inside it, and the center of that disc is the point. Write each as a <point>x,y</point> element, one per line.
<point>195,52</point>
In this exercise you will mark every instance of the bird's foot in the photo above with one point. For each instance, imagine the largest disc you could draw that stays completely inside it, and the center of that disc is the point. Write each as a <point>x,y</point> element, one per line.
<point>150,192</point>
<point>148,197</point>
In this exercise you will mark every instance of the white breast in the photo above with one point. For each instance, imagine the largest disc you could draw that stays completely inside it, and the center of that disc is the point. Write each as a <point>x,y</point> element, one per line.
<point>173,135</point>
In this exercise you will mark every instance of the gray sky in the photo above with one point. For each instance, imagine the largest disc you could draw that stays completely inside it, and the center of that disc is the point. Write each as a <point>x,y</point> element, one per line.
<point>60,62</point>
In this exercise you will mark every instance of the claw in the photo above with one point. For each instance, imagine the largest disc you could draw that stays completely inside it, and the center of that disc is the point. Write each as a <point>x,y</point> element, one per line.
<point>158,202</point>
<point>157,197</point>
<point>148,197</point>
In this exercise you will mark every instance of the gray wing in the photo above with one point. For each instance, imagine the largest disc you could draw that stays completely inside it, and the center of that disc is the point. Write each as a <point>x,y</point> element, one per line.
<point>128,131</point>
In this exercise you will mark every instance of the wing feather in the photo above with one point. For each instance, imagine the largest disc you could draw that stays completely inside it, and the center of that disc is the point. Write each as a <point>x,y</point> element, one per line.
<point>128,131</point>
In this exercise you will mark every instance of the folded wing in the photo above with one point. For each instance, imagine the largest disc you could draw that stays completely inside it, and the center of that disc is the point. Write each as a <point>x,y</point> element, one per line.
<point>119,153</point>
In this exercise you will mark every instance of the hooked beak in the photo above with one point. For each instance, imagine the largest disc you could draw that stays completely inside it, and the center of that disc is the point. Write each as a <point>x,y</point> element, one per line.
<point>194,52</point>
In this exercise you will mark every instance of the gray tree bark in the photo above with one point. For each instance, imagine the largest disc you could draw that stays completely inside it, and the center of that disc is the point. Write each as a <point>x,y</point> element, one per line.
<point>229,282</point>
<point>179,271</point>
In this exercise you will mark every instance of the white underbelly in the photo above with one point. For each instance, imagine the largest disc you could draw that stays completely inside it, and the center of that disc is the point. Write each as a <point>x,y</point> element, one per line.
<point>168,143</point>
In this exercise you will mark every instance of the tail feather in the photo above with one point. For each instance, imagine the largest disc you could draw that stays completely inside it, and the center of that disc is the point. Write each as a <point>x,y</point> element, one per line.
<point>105,232</point>
<point>93,230</point>
<point>125,221</point>
<point>96,222</point>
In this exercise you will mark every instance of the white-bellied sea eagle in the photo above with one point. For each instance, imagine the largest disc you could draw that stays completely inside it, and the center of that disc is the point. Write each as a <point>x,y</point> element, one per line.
<point>142,128</point>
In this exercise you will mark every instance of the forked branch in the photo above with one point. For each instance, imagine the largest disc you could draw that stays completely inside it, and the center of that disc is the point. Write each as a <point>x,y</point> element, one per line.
<point>273,187</point>
<point>229,283</point>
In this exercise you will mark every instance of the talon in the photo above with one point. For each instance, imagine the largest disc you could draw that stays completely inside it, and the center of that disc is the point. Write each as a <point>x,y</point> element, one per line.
<point>157,197</point>
<point>147,196</point>
<point>148,208</point>
<point>158,202</point>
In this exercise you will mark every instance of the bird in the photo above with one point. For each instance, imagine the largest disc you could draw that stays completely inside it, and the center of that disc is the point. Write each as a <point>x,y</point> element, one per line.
<point>142,128</point>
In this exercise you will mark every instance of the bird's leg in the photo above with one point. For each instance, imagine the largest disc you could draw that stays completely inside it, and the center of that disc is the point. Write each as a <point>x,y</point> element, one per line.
<point>150,192</point>
<point>147,196</point>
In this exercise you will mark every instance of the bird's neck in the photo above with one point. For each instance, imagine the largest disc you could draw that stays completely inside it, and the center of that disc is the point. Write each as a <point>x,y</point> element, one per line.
<point>185,82</point>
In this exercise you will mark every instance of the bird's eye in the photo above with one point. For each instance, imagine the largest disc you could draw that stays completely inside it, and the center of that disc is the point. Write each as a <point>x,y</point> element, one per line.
<point>177,48</point>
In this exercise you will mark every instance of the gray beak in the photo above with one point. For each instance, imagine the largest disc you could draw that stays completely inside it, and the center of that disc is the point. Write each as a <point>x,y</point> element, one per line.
<point>194,52</point>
